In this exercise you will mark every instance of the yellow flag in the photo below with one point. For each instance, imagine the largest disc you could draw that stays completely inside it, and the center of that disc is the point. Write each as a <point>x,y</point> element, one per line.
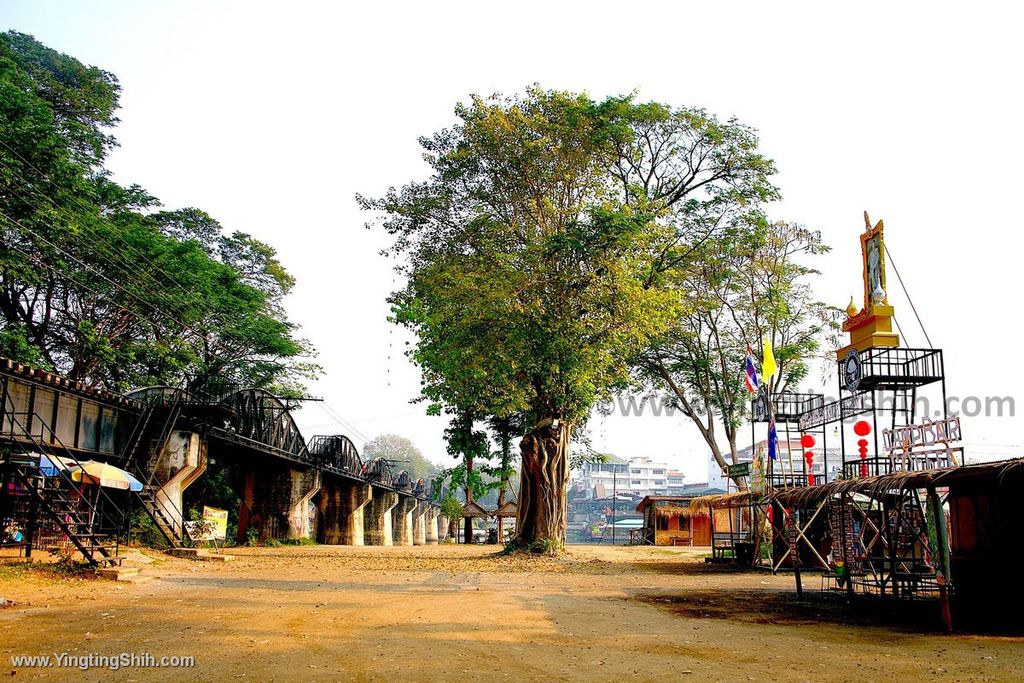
<point>768,366</point>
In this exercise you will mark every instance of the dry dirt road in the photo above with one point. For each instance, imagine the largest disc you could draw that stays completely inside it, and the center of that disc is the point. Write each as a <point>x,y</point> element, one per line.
<point>456,613</point>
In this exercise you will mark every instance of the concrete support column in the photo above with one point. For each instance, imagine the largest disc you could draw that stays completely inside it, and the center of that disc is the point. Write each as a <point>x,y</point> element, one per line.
<point>341,505</point>
<point>430,520</point>
<point>183,461</point>
<point>443,526</point>
<point>419,523</point>
<point>304,484</point>
<point>275,501</point>
<point>377,517</point>
<point>402,520</point>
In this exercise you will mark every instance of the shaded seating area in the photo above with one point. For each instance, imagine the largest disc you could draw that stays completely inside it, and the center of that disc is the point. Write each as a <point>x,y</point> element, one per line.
<point>671,521</point>
<point>506,512</point>
<point>472,510</point>
<point>736,525</point>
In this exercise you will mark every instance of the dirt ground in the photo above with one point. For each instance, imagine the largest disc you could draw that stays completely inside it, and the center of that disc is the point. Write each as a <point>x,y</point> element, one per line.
<point>459,613</point>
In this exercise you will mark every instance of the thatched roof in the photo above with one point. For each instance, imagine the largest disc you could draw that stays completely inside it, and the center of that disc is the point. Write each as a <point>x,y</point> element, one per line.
<point>672,506</point>
<point>737,499</point>
<point>898,481</point>
<point>507,509</point>
<point>474,509</point>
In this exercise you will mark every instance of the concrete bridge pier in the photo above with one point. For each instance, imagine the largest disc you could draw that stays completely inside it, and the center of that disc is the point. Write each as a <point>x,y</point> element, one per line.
<point>341,509</point>
<point>182,461</point>
<point>402,520</point>
<point>419,522</point>
<point>430,521</point>
<point>377,528</point>
<point>275,501</point>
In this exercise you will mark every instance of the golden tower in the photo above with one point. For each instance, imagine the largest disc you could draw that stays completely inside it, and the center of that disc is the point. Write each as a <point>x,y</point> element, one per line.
<point>871,325</point>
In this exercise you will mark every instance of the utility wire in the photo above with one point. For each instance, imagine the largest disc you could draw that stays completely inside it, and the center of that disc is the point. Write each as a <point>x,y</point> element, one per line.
<point>149,284</point>
<point>99,295</point>
<point>331,413</point>
<point>111,249</point>
<point>888,255</point>
<point>86,207</point>
<point>99,274</point>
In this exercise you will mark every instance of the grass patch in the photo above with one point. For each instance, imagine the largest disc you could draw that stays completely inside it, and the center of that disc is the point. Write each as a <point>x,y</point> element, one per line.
<point>65,569</point>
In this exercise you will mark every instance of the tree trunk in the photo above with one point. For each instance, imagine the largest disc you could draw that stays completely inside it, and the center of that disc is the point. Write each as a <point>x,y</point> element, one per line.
<point>506,457</point>
<point>543,483</point>
<point>467,534</point>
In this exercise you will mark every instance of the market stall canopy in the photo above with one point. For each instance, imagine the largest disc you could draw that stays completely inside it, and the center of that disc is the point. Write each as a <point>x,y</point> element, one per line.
<point>474,509</point>
<point>725,500</point>
<point>102,474</point>
<point>508,509</point>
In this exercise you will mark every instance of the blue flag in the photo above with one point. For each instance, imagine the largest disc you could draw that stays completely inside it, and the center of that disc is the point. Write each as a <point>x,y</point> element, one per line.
<point>773,440</point>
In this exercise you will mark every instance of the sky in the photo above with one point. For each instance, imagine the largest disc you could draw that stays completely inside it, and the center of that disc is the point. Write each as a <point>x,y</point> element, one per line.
<point>272,116</point>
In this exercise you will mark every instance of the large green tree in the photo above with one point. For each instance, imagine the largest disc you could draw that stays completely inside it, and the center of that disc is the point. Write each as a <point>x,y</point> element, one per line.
<point>94,281</point>
<point>745,286</point>
<point>536,253</point>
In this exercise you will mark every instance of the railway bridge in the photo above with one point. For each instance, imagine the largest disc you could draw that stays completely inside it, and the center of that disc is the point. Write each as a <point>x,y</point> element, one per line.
<point>166,437</point>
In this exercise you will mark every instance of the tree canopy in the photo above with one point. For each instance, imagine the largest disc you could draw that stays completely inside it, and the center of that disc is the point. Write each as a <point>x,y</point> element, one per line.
<point>539,253</point>
<point>96,282</point>
<point>744,288</point>
<point>403,452</point>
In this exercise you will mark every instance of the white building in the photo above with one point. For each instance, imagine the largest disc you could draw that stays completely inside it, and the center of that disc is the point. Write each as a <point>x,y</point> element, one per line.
<point>639,476</point>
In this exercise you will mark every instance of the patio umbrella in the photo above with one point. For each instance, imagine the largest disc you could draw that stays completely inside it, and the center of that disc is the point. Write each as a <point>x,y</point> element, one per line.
<point>52,465</point>
<point>102,474</point>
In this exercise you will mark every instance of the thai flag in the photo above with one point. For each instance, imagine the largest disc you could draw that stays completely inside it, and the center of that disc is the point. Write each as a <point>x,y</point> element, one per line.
<point>751,373</point>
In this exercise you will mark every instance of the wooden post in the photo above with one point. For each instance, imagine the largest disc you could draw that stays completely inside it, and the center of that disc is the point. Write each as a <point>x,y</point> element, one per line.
<point>467,533</point>
<point>942,540</point>
<point>33,511</point>
<point>796,554</point>
<point>847,560</point>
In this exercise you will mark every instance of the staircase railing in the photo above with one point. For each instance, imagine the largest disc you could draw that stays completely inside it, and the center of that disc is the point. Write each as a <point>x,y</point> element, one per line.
<point>136,437</point>
<point>162,510</point>
<point>102,519</point>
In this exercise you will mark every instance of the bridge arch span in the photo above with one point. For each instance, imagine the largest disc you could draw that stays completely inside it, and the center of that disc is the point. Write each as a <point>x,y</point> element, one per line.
<point>337,452</point>
<point>261,416</point>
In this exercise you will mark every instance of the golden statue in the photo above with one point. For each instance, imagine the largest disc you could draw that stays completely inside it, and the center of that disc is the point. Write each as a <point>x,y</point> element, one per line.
<point>872,325</point>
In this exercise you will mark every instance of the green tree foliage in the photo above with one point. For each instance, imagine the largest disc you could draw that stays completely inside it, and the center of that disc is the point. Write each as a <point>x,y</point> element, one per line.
<point>744,287</point>
<point>403,453</point>
<point>537,255</point>
<point>94,281</point>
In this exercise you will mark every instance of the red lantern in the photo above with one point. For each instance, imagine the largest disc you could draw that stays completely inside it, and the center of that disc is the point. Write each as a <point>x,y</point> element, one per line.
<point>862,428</point>
<point>807,441</point>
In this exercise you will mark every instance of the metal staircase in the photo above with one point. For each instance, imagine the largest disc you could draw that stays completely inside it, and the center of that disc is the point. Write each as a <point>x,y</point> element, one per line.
<point>58,513</point>
<point>161,510</point>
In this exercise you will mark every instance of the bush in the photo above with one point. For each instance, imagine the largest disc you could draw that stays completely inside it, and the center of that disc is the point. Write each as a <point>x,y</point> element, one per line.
<point>144,532</point>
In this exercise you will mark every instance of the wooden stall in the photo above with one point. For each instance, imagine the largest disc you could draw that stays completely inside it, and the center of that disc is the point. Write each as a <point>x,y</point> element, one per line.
<point>670,520</point>
<point>733,524</point>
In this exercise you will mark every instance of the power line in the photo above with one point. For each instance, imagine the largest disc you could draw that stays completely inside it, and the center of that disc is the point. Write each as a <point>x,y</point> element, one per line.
<point>149,285</point>
<point>111,250</point>
<point>331,413</point>
<point>100,295</point>
<point>888,255</point>
<point>99,274</point>
<point>83,205</point>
